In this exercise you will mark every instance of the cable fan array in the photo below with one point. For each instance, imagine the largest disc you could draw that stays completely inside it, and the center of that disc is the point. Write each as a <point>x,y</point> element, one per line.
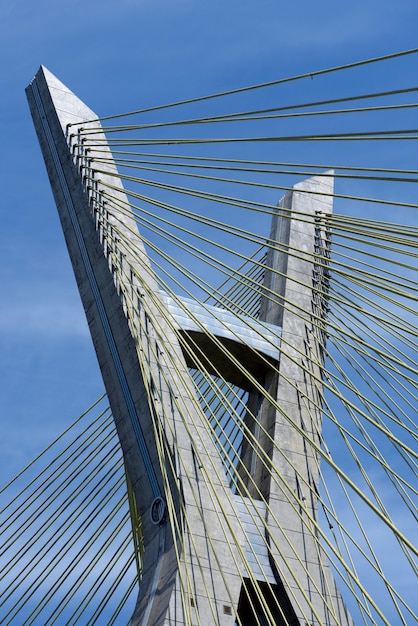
<point>66,532</point>
<point>203,205</point>
<point>203,209</point>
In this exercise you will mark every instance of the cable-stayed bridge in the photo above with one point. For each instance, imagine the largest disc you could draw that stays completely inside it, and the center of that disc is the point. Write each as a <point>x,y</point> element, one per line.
<point>260,365</point>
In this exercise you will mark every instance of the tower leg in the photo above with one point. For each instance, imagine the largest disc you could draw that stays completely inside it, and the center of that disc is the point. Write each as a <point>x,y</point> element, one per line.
<point>282,468</point>
<point>188,517</point>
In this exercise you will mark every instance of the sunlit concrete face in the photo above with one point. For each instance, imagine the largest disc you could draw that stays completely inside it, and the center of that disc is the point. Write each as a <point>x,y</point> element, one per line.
<point>220,333</point>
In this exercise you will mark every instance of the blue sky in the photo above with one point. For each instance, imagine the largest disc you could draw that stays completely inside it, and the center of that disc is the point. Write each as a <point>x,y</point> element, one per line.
<point>118,57</point>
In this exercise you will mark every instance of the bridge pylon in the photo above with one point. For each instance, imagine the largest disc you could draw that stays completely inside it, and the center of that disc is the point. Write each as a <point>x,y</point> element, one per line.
<point>211,555</point>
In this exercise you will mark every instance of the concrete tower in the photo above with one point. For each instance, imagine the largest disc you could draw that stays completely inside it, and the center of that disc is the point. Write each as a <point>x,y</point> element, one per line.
<point>197,534</point>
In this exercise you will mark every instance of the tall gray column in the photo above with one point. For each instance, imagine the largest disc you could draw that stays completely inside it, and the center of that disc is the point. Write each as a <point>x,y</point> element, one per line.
<point>187,519</point>
<point>283,467</point>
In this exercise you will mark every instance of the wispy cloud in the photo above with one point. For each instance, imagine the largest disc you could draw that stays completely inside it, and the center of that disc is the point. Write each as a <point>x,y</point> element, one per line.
<point>43,317</point>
